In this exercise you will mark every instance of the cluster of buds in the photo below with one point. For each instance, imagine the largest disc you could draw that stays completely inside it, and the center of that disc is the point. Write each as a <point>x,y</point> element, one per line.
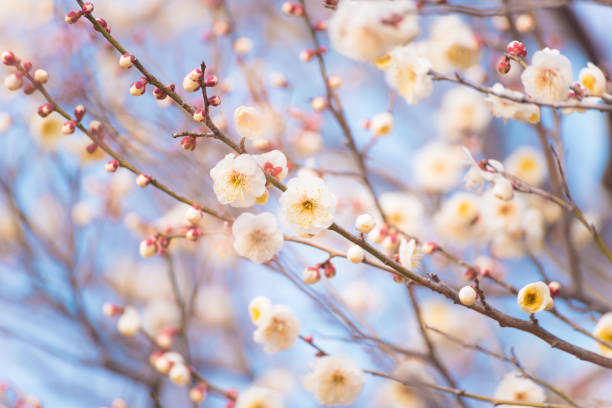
<point>198,393</point>
<point>188,143</point>
<point>138,87</point>
<point>309,54</point>
<point>292,9</point>
<point>577,91</point>
<point>172,364</point>
<point>516,49</point>
<point>386,236</point>
<point>312,274</point>
<point>73,16</point>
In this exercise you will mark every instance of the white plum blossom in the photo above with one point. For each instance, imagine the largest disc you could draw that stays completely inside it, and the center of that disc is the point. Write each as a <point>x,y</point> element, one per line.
<point>603,331</point>
<point>277,329</point>
<point>453,46</point>
<point>259,307</point>
<point>250,122</point>
<point>463,112</point>
<point>368,30</point>
<point>381,124</point>
<point>259,397</point>
<point>508,109</point>
<point>437,166</point>
<point>593,79</point>
<point>335,380</point>
<point>408,74</point>
<point>129,324</point>
<point>535,297</point>
<point>549,77</point>
<point>516,387</point>
<point>457,219</point>
<point>257,236</point>
<point>307,205</point>
<point>238,180</point>
<point>527,164</point>
<point>403,211</point>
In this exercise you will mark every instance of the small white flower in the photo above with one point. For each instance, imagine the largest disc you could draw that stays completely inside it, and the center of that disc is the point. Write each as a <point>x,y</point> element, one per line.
<point>463,111</point>
<point>257,237</point>
<point>408,74</point>
<point>258,397</point>
<point>249,122</point>
<point>527,164</point>
<point>593,79</point>
<point>503,189</point>
<point>258,308</point>
<point>507,109</point>
<point>409,256</point>
<point>365,223</point>
<point>274,163</point>
<point>335,380</point>
<point>238,181</point>
<point>403,211</point>
<point>515,387</point>
<point>381,124</point>
<point>355,254</point>
<point>467,295</point>
<point>277,329</point>
<point>307,205</point>
<point>603,331</point>
<point>457,218</point>
<point>128,324</point>
<point>179,374</point>
<point>549,76</point>
<point>453,45</point>
<point>367,30</point>
<point>437,167</point>
<point>535,297</point>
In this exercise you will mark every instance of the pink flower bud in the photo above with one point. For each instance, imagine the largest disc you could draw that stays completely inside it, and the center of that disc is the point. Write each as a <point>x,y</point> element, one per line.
<point>503,66</point>
<point>91,148</point>
<point>165,337</point>
<point>197,393</point>
<point>469,274</point>
<point>429,247</point>
<point>199,115</point>
<point>79,112</point>
<point>111,310</point>
<point>143,180</point>
<point>211,81</point>
<point>13,81</point>
<point>73,16</point>
<point>196,75</point>
<point>104,24</point>
<point>111,166</point>
<point>41,76</point>
<point>555,288</point>
<point>214,100</point>
<point>189,143</point>
<point>192,234</point>
<point>307,55</point>
<point>193,215</point>
<point>329,270</point>
<point>68,127</point>
<point>45,110</point>
<point>148,248</point>
<point>311,275</point>
<point>190,85</point>
<point>29,89</point>
<point>517,49</point>
<point>27,66</point>
<point>95,127</point>
<point>87,8</point>
<point>159,94</point>
<point>292,9</point>
<point>126,61</point>
<point>8,58</point>
<point>320,25</point>
<point>138,88</point>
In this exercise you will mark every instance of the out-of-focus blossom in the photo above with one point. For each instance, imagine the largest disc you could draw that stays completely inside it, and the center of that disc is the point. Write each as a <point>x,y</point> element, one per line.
<point>335,380</point>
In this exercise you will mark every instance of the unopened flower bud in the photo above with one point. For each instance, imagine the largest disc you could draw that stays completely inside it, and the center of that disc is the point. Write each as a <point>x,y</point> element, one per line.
<point>193,215</point>
<point>279,80</point>
<point>164,338</point>
<point>111,166</point>
<point>87,8</point>
<point>517,49</point>
<point>197,393</point>
<point>143,180</point>
<point>319,103</point>
<point>8,58</point>
<point>467,295</point>
<point>188,143</point>
<point>334,81</point>
<point>68,127</point>
<point>199,115</point>
<point>306,55</point>
<point>104,24</point>
<point>525,23</point>
<point>148,248</point>
<point>91,148</point>
<point>292,9</point>
<point>13,81</point>
<point>355,254</point>
<point>192,234</point>
<point>138,88</point>
<point>311,275</point>
<point>211,81</point>
<point>470,274</point>
<point>126,61</point>
<point>179,374</point>
<point>555,288</point>
<point>111,310</point>
<point>376,235</point>
<point>161,363</point>
<point>390,242</point>
<point>29,89</point>
<point>128,324</point>
<point>503,66</point>
<point>502,189</point>
<point>329,270</point>
<point>41,76</point>
<point>73,16</point>
<point>214,100</point>
<point>365,223</point>
<point>45,110</point>
<point>118,403</point>
<point>27,66</point>
<point>79,112</point>
<point>243,45</point>
<point>429,247</point>
<point>320,25</point>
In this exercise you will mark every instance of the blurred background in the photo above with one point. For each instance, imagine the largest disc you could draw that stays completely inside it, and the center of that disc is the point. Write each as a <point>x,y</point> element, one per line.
<point>69,231</point>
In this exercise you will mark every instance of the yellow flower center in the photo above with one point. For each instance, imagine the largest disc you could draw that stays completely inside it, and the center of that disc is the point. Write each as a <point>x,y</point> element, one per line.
<point>406,77</point>
<point>545,78</point>
<point>462,56</point>
<point>527,164</point>
<point>532,298</point>
<point>588,81</point>
<point>255,313</point>
<point>383,62</point>
<point>338,378</point>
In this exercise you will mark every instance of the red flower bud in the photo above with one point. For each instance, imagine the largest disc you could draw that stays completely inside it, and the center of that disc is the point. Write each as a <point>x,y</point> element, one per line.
<point>503,66</point>
<point>45,110</point>
<point>8,58</point>
<point>517,49</point>
<point>87,8</point>
<point>214,100</point>
<point>188,143</point>
<point>73,16</point>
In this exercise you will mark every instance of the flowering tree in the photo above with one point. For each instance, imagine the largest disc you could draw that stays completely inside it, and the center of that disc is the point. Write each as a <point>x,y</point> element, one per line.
<point>400,217</point>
